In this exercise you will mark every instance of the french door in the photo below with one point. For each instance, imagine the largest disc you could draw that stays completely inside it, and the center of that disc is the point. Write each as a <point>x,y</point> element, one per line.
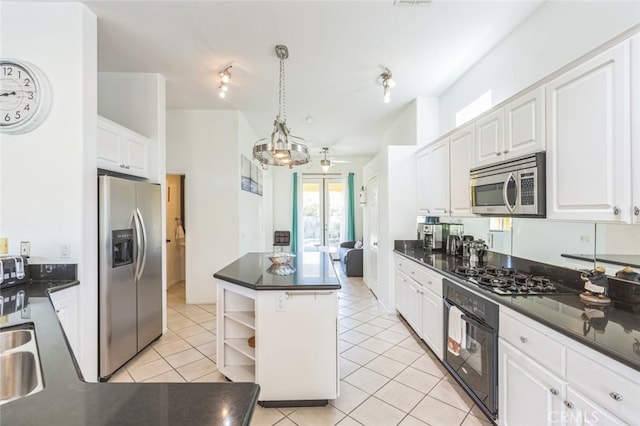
<point>322,213</point>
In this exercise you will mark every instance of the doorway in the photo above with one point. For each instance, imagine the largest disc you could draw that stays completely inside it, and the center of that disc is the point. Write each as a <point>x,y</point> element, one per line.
<point>371,274</point>
<point>176,234</point>
<point>322,213</point>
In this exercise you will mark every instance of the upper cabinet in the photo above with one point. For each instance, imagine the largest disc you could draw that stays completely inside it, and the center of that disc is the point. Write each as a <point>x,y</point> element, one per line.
<point>635,128</point>
<point>588,140</point>
<point>443,175</point>
<point>122,150</point>
<point>512,131</point>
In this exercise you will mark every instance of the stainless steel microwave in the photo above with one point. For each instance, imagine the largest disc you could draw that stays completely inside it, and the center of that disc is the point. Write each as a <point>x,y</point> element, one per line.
<point>511,188</point>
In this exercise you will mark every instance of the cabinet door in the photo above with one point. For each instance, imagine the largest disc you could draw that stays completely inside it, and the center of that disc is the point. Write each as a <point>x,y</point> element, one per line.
<point>580,411</point>
<point>588,145</point>
<point>414,306</point>
<point>137,154</point>
<point>635,127</point>
<point>460,152</point>
<point>529,394</point>
<point>524,124</point>
<point>432,328</point>
<point>438,169</point>
<point>489,139</point>
<point>401,292</point>
<point>422,183</point>
<point>109,146</point>
<point>65,303</point>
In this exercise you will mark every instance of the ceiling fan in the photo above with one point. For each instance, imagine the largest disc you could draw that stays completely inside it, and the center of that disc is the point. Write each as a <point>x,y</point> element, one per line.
<point>326,163</point>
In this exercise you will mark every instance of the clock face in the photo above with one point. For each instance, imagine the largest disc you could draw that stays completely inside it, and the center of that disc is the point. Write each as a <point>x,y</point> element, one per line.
<point>24,96</point>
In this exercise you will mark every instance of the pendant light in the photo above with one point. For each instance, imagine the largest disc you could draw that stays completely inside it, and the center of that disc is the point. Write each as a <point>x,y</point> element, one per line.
<point>281,148</point>
<point>325,164</point>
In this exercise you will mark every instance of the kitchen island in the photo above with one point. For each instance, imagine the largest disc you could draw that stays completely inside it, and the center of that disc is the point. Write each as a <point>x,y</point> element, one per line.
<point>278,327</point>
<point>67,399</point>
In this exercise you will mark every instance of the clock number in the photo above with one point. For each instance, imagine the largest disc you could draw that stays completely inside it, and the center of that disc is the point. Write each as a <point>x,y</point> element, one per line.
<point>7,71</point>
<point>7,118</point>
<point>30,95</point>
<point>17,115</point>
<point>27,82</point>
<point>27,107</point>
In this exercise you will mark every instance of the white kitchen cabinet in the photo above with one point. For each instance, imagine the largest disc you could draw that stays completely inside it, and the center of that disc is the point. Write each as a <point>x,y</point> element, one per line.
<point>529,393</point>
<point>581,411</point>
<point>461,148</point>
<point>122,150</point>
<point>65,302</point>
<point>489,139</point>
<point>432,174</point>
<point>296,336</point>
<point>635,128</point>
<point>588,141</point>
<point>412,299</point>
<point>524,125</point>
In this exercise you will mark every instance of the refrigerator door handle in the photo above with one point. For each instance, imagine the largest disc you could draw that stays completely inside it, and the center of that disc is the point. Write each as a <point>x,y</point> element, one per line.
<point>144,244</point>
<point>136,223</point>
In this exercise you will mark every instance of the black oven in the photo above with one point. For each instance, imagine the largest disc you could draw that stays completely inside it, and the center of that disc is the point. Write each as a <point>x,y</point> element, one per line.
<point>471,344</point>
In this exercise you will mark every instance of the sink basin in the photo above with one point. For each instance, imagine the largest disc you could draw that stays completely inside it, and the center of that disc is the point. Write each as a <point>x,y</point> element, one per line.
<point>20,375</point>
<point>11,339</point>
<point>20,372</point>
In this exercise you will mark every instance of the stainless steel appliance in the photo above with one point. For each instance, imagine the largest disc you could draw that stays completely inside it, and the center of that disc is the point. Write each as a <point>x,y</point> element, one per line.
<point>130,270</point>
<point>511,188</point>
<point>431,236</point>
<point>471,341</point>
<point>509,282</point>
<point>13,270</point>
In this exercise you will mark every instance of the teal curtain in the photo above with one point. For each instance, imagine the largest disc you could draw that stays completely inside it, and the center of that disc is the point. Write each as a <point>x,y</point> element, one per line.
<point>294,223</point>
<point>351,211</point>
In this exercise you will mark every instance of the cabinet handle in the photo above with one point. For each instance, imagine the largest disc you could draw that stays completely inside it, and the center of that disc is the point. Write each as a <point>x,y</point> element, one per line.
<point>636,211</point>
<point>498,153</point>
<point>506,151</point>
<point>616,211</point>
<point>568,404</point>
<point>127,167</point>
<point>554,391</point>
<point>122,166</point>
<point>616,396</point>
<point>523,339</point>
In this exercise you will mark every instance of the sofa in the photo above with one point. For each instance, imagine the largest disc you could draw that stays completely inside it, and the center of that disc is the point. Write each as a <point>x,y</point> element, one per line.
<point>351,259</point>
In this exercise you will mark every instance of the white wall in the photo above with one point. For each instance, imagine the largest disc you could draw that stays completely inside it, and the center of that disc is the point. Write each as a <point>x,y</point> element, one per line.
<point>48,176</point>
<point>206,146</point>
<point>555,34</point>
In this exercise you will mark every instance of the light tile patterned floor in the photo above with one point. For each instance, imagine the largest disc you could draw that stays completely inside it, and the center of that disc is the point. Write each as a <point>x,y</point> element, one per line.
<point>388,376</point>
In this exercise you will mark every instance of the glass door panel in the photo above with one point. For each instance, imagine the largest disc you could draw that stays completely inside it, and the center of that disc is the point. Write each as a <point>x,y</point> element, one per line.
<point>322,213</point>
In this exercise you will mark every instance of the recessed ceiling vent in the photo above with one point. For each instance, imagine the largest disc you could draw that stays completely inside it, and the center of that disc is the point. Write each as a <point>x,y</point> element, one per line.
<point>411,2</point>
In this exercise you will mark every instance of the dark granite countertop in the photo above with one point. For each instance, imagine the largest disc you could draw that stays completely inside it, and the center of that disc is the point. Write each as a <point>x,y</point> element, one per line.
<point>68,400</point>
<point>616,334</point>
<point>310,271</point>
<point>632,260</point>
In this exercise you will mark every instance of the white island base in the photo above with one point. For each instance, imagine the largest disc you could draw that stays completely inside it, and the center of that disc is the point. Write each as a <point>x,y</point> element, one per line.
<point>295,359</point>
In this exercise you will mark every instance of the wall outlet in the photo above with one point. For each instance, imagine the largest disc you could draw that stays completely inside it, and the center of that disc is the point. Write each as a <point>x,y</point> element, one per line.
<point>65,251</point>
<point>281,304</point>
<point>25,248</point>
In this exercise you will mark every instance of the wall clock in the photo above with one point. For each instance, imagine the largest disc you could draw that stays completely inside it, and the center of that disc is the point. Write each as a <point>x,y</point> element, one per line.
<point>25,96</point>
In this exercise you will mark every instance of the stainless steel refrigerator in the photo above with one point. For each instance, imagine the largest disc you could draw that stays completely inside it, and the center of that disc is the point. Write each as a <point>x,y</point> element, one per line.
<point>130,269</point>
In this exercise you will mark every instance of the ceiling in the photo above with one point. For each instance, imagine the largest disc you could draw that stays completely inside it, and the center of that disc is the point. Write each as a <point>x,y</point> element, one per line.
<point>337,51</point>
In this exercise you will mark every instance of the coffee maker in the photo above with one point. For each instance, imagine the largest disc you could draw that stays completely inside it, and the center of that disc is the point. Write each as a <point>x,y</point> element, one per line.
<point>430,235</point>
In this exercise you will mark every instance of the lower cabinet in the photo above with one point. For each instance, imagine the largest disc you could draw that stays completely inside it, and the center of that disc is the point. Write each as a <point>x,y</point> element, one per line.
<point>65,302</point>
<point>581,411</point>
<point>529,394</point>
<point>293,354</point>
<point>432,311</point>
<point>412,301</point>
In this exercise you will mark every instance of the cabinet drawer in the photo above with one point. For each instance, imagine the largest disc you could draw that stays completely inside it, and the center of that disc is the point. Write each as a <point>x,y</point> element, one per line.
<point>421,274</point>
<point>536,345</point>
<point>608,383</point>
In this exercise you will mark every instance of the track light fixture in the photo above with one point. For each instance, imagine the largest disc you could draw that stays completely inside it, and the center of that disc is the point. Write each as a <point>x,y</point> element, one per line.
<point>224,77</point>
<point>387,83</point>
<point>325,164</point>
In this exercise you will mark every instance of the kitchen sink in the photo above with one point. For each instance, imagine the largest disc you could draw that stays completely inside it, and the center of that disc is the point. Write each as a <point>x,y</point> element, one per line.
<point>11,339</point>
<point>20,371</point>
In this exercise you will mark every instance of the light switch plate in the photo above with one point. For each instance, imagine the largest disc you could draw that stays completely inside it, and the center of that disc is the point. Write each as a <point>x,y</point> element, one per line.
<point>25,248</point>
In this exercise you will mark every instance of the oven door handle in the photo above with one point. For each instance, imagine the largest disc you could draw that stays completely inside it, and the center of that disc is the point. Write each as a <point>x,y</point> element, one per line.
<point>477,323</point>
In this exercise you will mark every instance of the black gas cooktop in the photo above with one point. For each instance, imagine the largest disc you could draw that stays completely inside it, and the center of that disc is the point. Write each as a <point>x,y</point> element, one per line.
<point>509,282</point>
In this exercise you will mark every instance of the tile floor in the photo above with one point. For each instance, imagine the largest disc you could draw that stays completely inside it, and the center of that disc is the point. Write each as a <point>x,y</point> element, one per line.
<point>388,376</point>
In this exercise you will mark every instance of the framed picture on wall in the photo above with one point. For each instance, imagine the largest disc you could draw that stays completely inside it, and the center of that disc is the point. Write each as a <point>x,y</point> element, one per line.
<point>259,182</point>
<point>245,176</point>
<point>254,178</point>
